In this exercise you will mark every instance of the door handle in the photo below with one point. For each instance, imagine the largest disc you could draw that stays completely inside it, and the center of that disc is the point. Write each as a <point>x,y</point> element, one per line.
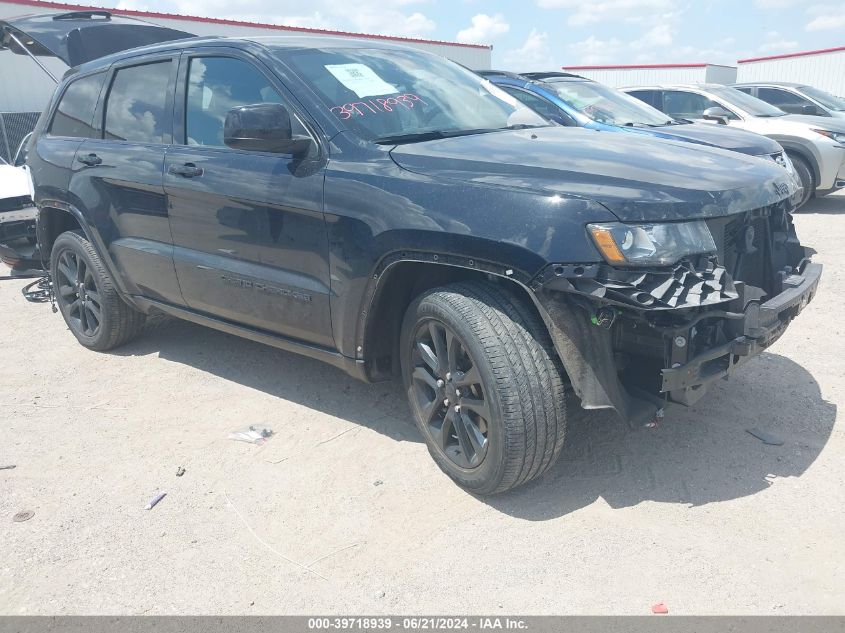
<point>188,170</point>
<point>92,160</point>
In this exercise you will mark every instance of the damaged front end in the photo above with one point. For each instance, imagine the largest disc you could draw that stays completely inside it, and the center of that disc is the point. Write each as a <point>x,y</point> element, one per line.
<point>635,337</point>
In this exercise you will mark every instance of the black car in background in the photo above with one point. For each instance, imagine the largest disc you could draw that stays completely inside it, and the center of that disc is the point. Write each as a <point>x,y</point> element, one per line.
<point>393,214</point>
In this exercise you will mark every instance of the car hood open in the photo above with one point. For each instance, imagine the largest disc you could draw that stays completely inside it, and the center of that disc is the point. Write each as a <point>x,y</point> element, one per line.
<point>719,136</point>
<point>636,178</point>
<point>80,36</point>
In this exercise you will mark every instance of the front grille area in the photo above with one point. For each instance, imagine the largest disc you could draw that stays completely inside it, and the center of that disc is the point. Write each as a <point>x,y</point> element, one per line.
<point>15,204</point>
<point>757,246</point>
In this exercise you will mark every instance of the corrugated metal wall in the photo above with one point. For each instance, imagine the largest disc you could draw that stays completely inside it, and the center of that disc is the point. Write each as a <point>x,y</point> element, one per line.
<point>619,77</point>
<point>823,70</point>
<point>25,87</point>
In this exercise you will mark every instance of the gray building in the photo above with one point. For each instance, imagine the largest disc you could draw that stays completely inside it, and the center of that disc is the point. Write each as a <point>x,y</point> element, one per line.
<point>646,74</point>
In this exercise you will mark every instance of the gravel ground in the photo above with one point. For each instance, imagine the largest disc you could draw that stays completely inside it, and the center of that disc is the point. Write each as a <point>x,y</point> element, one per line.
<point>343,511</point>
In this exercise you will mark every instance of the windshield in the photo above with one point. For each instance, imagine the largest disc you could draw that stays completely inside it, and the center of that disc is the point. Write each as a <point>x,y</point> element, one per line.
<point>752,105</point>
<point>387,95</point>
<point>607,105</point>
<point>3,162</point>
<point>829,101</point>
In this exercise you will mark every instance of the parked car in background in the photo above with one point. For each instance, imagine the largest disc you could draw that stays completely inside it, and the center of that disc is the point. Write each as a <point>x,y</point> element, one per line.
<point>573,100</point>
<point>816,145</point>
<point>389,212</point>
<point>796,98</point>
<point>17,211</point>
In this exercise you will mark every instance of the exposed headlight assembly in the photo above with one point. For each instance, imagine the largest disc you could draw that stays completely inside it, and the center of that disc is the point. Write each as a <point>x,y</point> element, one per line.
<point>839,137</point>
<point>651,244</point>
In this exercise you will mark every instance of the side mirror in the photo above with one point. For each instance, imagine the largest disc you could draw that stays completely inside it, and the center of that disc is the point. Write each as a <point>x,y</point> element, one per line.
<point>716,113</point>
<point>812,110</point>
<point>263,127</point>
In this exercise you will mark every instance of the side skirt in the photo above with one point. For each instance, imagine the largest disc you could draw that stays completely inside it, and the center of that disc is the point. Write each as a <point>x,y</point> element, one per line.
<point>354,368</point>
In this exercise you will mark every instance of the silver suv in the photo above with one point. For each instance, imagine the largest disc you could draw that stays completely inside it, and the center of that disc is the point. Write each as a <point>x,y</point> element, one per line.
<point>816,145</point>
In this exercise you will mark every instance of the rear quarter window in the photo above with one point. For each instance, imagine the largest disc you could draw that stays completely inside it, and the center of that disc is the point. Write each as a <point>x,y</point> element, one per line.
<point>75,112</point>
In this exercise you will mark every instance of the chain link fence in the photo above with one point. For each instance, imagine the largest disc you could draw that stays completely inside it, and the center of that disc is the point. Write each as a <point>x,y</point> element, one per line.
<point>14,126</point>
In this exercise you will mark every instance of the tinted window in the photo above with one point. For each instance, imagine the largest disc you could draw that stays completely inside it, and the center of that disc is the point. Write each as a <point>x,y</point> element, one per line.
<point>76,108</point>
<point>215,86</point>
<point>781,97</point>
<point>539,105</point>
<point>135,109</point>
<point>687,105</point>
<point>650,97</point>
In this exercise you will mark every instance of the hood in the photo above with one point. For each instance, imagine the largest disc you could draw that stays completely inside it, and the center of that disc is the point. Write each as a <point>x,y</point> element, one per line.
<point>826,123</point>
<point>14,182</point>
<point>81,36</point>
<point>636,178</point>
<point>720,136</point>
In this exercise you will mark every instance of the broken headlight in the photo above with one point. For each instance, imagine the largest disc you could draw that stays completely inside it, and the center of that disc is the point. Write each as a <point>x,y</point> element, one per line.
<point>651,244</point>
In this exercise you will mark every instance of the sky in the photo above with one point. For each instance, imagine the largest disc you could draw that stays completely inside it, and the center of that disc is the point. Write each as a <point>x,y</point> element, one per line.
<point>547,34</point>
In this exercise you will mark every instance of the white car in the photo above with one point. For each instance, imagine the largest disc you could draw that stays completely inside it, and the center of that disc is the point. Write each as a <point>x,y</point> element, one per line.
<point>815,144</point>
<point>17,212</point>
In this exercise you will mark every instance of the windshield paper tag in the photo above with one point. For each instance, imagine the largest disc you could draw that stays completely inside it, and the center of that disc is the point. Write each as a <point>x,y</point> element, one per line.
<point>361,80</point>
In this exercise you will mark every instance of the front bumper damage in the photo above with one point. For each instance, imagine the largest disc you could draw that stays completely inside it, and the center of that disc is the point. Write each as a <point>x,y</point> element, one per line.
<point>634,340</point>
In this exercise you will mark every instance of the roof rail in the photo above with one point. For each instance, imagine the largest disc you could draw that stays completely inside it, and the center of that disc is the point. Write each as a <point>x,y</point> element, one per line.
<point>549,75</point>
<point>83,15</point>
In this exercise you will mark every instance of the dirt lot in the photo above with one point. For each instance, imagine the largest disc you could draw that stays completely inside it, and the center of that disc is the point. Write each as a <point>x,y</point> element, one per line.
<point>343,510</point>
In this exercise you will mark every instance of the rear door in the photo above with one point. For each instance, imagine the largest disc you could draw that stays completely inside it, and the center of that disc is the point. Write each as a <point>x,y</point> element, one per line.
<point>118,176</point>
<point>248,228</point>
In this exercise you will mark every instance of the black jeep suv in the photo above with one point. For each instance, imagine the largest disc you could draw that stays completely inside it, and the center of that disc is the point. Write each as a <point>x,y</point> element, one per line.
<point>391,213</point>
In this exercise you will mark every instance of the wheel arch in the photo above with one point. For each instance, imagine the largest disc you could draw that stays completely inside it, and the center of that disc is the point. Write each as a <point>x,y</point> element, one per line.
<point>54,218</point>
<point>797,149</point>
<point>398,282</point>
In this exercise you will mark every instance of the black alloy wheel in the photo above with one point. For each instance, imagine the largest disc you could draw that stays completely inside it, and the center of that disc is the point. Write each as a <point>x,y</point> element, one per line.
<point>451,397</point>
<point>78,294</point>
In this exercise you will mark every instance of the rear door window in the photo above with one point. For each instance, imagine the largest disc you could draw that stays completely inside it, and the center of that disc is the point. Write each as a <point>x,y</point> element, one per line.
<point>74,115</point>
<point>136,106</point>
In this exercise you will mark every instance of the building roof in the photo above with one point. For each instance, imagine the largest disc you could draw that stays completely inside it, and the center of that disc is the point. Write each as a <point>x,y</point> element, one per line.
<point>644,66</point>
<point>789,55</point>
<point>226,22</point>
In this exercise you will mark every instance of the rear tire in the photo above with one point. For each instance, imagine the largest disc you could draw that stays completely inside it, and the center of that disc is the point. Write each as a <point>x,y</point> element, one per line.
<point>808,180</point>
<point>90,304</point>
<point>479,347</point>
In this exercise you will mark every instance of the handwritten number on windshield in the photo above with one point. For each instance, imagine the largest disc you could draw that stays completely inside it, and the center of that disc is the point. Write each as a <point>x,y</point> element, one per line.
<point>377,106</point>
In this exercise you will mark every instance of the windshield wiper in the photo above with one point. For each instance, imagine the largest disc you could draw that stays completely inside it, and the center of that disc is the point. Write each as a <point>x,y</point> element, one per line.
<point>431,135</point>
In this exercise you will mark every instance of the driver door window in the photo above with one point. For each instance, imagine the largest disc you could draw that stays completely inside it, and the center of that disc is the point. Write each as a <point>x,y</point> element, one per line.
<point>785,100</point>
<point>215,86</point>
<point>687,105</point>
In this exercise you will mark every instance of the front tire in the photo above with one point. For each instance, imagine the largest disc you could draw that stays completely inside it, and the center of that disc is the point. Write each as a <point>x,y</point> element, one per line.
<point>485,385</point>
<point>93,310</point>
<point>805,174</point>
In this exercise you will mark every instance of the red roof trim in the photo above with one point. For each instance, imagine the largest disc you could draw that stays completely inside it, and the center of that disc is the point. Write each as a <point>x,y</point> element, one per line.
<point>788,55</point>
<point>633,66</point>
<point>195,18</point>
